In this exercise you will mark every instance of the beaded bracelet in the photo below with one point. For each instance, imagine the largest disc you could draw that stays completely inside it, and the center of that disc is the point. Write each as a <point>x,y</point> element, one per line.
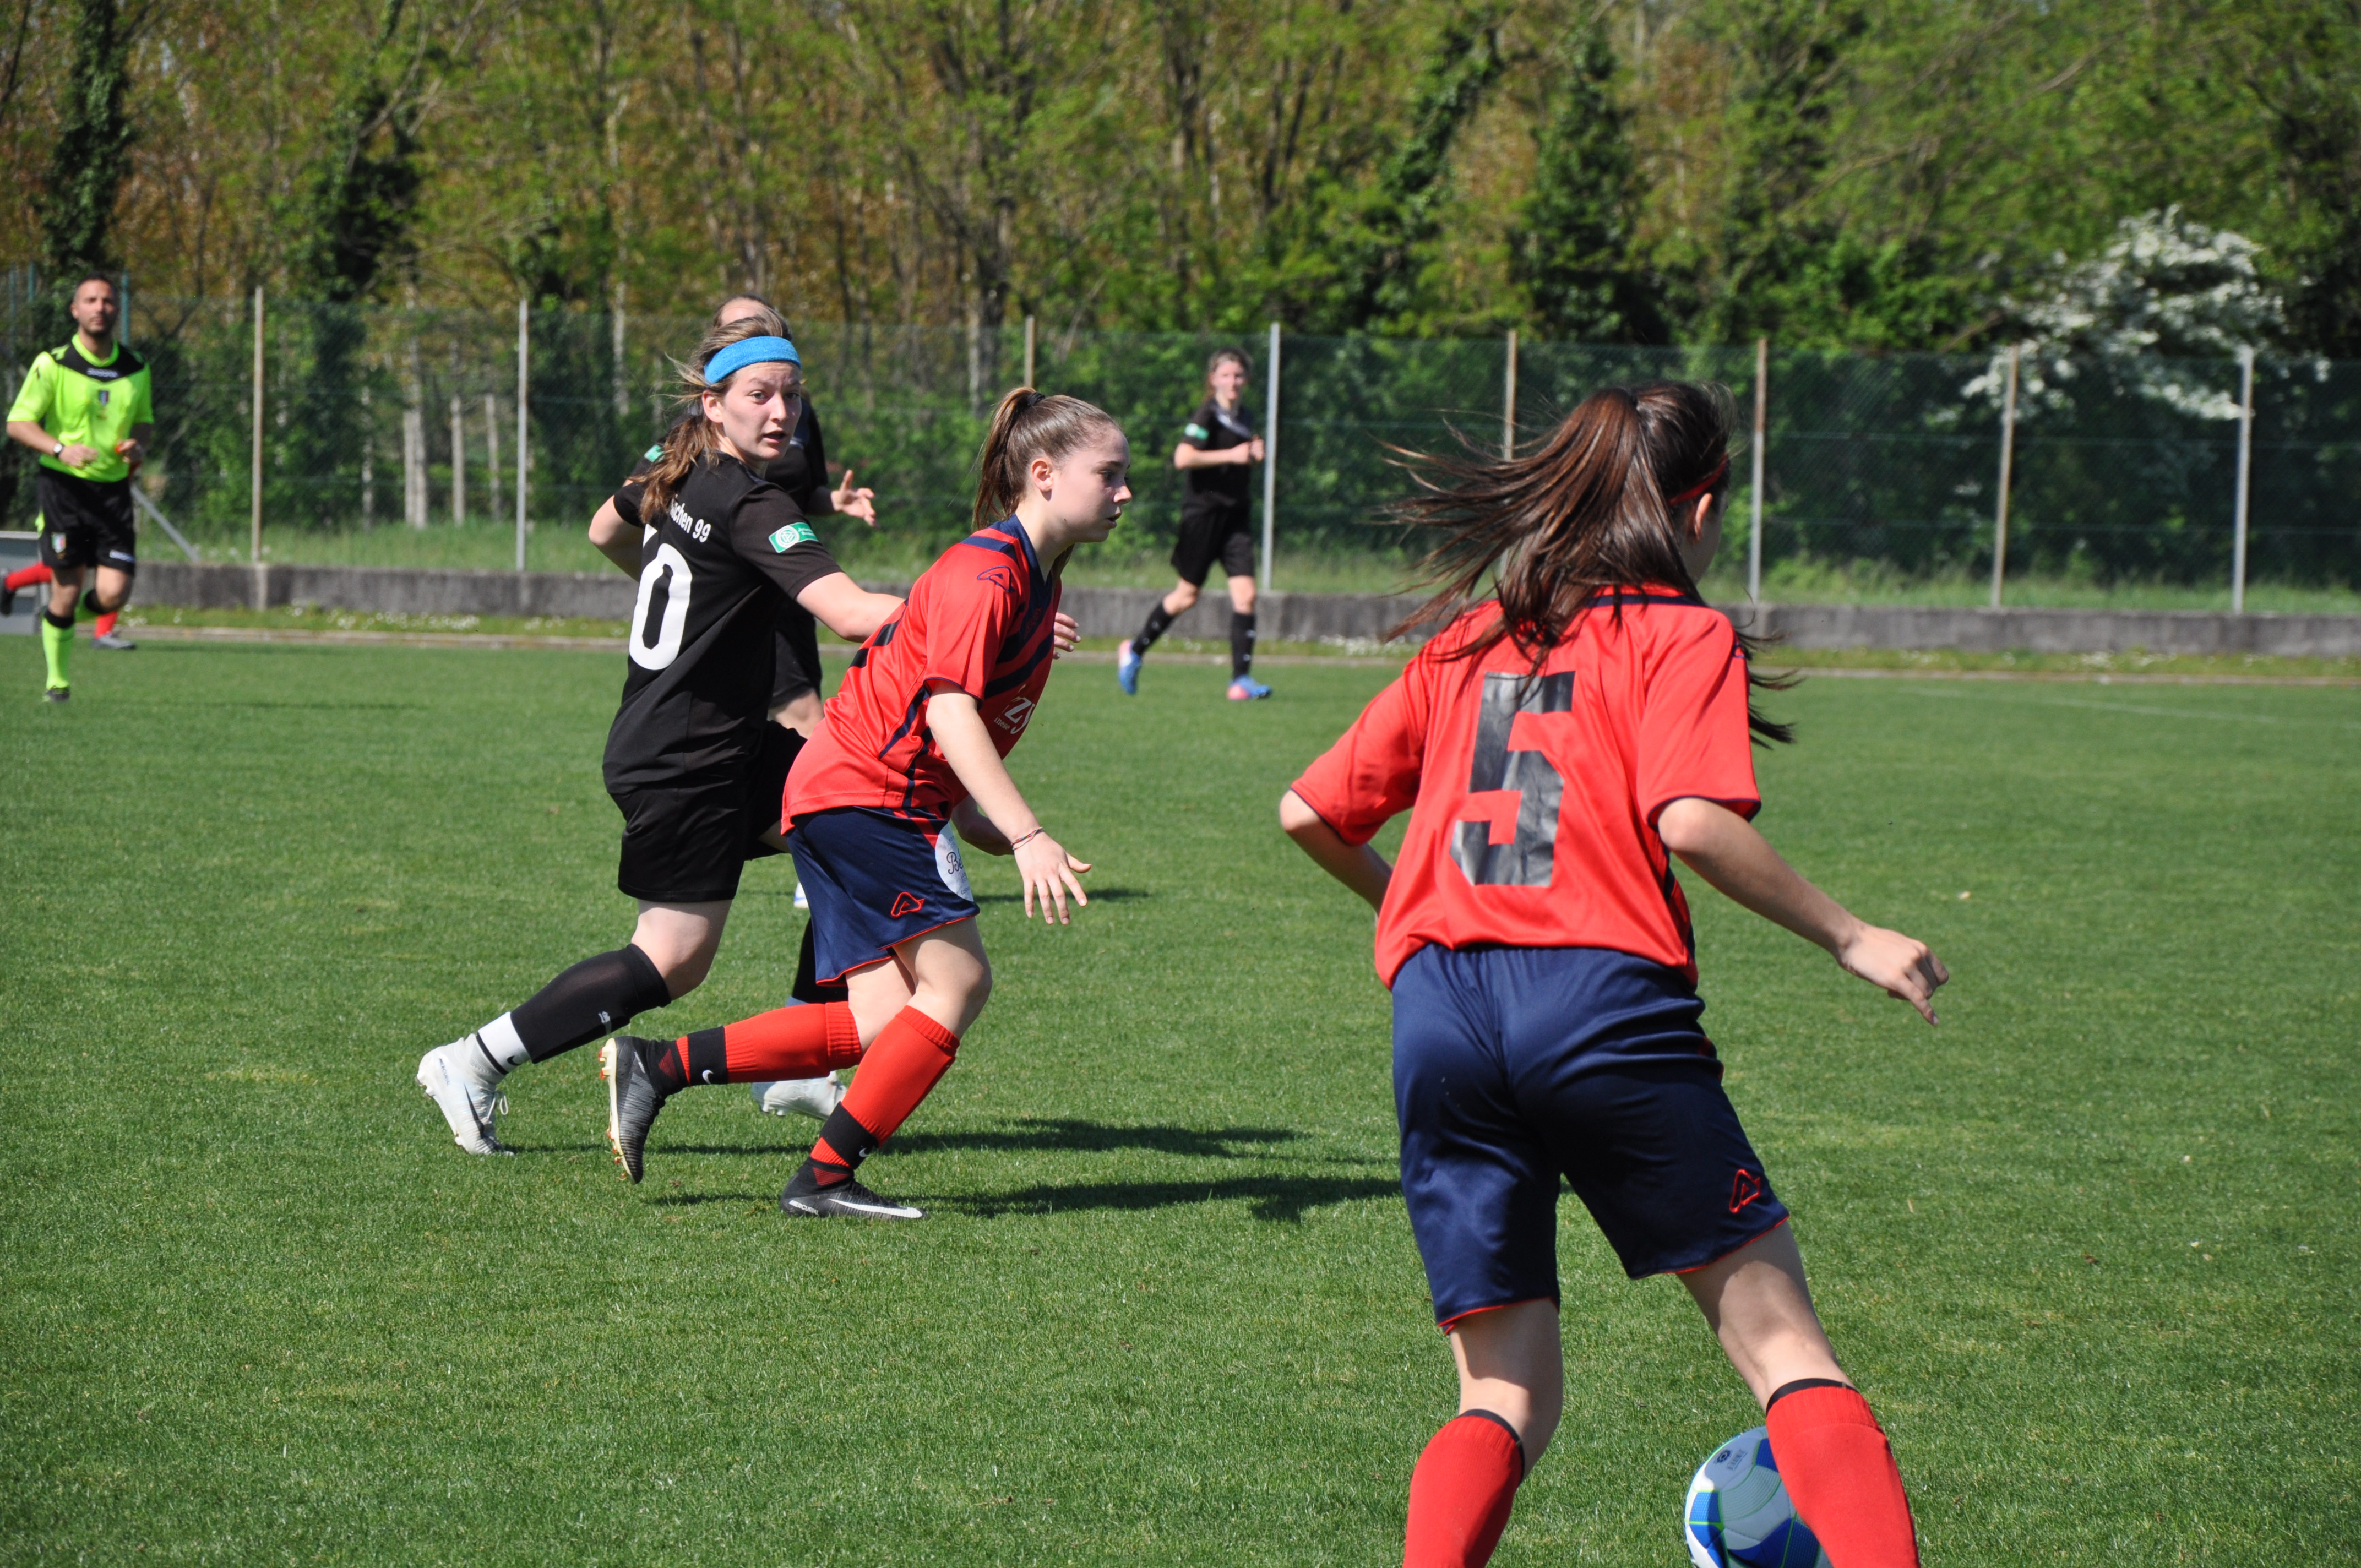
<point>1013,844</point>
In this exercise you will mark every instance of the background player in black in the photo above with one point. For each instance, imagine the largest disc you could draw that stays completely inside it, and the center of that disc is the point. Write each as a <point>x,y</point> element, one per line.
<point>1216,450</point>
<point>692,761</point>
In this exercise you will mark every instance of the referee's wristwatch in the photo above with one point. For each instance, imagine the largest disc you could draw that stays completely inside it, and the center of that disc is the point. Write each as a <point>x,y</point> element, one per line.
<point>59,450</point>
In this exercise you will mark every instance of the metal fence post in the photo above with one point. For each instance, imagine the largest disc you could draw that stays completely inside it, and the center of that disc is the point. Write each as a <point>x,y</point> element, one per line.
<point>458,461</point>
<point>1270,460</point>
<point>1508,400</point>
<point>2245,474</point>
<point>524,420</point>
<point>254,544</point>
<point>2008,462</point>
<point>491,459</point>
<point>1028,353</point>
<point>1762,425</point>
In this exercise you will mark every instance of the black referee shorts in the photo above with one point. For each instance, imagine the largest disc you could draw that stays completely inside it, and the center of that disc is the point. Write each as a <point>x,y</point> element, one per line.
<point>85,522</point>
<point>686,843</point>
<point>1209,534</point>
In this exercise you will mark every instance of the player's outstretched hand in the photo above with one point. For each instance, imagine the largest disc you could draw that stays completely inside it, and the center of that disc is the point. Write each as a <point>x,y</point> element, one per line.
<point>1064,632</point>
<point>855,502</point>
<point>1048,872</point>
<point>1902,967</point>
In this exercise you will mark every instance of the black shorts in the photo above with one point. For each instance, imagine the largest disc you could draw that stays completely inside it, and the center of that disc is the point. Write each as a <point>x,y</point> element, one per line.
<point>1209,534</point>
<point>685,844</point>
<point>1517,1066</point>
<point>85,522</point>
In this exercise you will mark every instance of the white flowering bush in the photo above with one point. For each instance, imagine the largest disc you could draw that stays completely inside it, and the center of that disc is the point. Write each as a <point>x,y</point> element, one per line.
<point>2166,289</point>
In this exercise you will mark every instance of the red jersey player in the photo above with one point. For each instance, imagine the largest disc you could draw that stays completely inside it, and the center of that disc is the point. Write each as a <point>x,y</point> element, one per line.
<point>915,737</point>
<point>1555,746</point>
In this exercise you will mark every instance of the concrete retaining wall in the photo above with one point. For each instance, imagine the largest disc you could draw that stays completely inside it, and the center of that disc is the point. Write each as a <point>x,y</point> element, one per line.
<point>1117,612</point>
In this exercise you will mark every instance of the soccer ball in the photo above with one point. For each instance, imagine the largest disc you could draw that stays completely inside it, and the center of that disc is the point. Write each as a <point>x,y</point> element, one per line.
<point>1738,1516</point>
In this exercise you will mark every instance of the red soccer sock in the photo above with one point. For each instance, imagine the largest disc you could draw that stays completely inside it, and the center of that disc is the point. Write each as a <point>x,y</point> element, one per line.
<point>786,1042</point>
<point>904,1062</point>
<point>1842,1476</point>
<point>26,576</point>
<point>105,625</point>
<point>1461,1492</point>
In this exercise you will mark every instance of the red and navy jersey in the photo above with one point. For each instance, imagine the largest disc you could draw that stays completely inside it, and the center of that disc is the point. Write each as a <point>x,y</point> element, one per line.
<point>979,619</point>
<point>1534,794</point>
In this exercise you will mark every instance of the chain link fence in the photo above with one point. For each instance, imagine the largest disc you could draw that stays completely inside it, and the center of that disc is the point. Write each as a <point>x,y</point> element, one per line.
<point>1879,468</point>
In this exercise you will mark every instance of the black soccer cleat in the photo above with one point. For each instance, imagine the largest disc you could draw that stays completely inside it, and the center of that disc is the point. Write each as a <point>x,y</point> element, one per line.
<point>57,693</point>
<point>805,1198</point>
<point>632,1099</point>
<point>7,601</point>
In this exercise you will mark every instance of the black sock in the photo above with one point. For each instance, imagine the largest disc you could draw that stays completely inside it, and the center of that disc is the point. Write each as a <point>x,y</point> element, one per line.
<point>699,1058</point>
<point>1241,644</point>
<point>54,618</point>
<point>1159,621</point>
<point>90,601</point>
<point>593,997</point>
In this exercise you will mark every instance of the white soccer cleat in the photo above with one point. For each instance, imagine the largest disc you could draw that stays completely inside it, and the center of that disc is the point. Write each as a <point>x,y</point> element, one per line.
<point>812,1097</point>
<point>459,1079</point>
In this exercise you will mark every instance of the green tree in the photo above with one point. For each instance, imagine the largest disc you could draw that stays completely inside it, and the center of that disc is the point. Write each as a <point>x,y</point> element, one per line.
<point>1356,257</point>
<point>357,219</point>
<point>1570,249</point>
<point>2306,73</point>
<point>92,155</point>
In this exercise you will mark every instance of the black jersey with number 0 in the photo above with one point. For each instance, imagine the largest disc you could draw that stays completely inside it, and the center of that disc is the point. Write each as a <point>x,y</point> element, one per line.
<point>723,556</point>
<point>1231,484</point>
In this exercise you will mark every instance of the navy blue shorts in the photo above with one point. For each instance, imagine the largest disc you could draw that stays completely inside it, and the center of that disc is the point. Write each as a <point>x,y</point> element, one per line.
<point>1516,1066</point>
<point>875,880</point>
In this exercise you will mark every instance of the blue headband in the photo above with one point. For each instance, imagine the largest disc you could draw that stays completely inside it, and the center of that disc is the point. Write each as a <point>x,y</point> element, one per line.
<point>749,351</point>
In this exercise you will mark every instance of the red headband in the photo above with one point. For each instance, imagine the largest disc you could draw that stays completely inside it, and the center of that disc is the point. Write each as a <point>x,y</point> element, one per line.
<point>1702,485</point>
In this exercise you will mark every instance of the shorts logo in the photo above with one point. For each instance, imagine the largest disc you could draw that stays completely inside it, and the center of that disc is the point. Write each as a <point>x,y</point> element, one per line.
<point>1016,715</point>
<point>905,904</point>
<point>1000,577</point>
<point>57,540</point>
<point>794,533</point>
<point>1744,1188</point>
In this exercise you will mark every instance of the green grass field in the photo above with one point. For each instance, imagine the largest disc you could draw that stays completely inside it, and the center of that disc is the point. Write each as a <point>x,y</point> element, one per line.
<point>2090,1247</point>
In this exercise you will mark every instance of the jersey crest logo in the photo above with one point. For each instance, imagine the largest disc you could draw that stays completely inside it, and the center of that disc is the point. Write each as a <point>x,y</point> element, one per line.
<point>999,576</point>
<point>1016,715</point>
<point>1196,432</point>
<point>1744,1188</point>
<point>905,904</point>
<point>655,453</point>
<point>794,533</point>
<point>103,393</point>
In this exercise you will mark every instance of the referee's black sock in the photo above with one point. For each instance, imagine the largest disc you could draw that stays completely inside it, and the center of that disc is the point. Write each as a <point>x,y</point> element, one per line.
<point>1159,621</point>
<point>1242,639</point>
<point>594,997</point>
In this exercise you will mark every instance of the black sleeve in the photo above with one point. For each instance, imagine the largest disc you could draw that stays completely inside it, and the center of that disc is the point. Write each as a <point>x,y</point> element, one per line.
<point>770,534</point>
<point>1202,426</point>
<point>818,499</point>
<point>627,500</point>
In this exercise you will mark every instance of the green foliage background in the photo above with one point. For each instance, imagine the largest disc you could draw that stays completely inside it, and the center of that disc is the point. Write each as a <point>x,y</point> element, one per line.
<point>1877,173</point>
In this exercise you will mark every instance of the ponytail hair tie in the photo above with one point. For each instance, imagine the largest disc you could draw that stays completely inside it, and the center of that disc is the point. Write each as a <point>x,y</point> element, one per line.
<point>1702,485</point>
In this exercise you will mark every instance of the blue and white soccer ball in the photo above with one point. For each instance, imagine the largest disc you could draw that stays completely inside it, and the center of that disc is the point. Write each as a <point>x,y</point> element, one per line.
<point>1738,1515</point>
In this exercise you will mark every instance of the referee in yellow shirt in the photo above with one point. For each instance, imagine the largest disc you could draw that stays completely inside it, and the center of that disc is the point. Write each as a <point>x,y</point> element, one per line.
<point>86,408</point>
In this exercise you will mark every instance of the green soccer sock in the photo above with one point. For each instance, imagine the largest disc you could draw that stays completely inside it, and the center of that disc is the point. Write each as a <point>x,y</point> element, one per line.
<point>57,646</point>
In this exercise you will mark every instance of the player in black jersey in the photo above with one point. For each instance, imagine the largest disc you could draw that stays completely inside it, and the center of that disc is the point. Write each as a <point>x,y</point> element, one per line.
<point>1215,455</point>
<point>692,760</point>
<point>801,470</point>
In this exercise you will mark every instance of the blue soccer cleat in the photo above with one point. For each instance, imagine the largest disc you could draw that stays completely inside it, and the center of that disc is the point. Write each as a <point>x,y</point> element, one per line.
<point>1245,689</point>
<point>1127,669</point>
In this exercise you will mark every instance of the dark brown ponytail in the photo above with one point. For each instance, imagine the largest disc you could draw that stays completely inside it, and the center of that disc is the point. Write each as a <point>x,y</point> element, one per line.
<point>1587,510</point>
<point>1030,424</point>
